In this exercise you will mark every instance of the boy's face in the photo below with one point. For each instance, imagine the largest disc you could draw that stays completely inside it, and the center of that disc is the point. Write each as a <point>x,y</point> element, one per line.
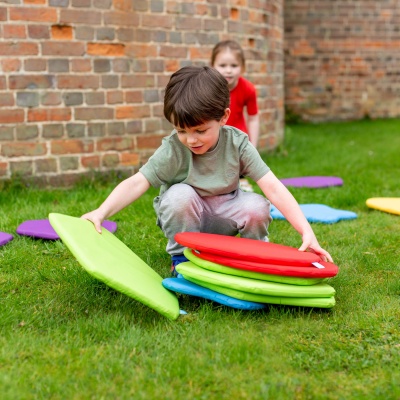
<point>229,66</point>
<point>202,138</point>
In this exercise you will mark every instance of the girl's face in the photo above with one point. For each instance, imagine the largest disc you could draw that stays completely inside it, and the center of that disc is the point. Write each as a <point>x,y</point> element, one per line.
<point>228,64</point>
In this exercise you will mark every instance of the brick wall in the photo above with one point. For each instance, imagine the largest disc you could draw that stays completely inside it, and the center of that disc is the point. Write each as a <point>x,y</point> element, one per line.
<point>342,58</point>
<point>82,81</point>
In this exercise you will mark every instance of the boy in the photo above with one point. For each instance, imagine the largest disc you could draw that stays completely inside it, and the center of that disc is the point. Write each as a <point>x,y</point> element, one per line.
<point>197,168</point>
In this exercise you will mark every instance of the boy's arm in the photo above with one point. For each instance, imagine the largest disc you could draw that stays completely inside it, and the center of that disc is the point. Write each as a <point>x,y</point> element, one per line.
<point>124,194</point>
<point>284,201</point>
<point>253,126</point>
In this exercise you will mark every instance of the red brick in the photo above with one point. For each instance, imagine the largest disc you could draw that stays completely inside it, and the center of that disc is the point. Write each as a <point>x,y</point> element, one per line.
<point>90,162</point>
<point>188,23</point>
<point>63,48</point>
<point>78,82</point>
<point>173,7</point>
<point>88,3</point>
<point>132,112</point>
<point>158,110</point>
<point>130,159</point>
<point>11,116</point>
<point>64,180</point>
<point>152,125</point>
<point>197,53</point>
<point>171,65</point>
<point>116,143</point>
<point>257,17</point>
<point>18,49</point>
<point>134,96</point>
<point>35,64</point>
<point>118,18</point>
<point>214,25</point>
<point>242,3</point>
<point>11,65</point>
<point>50,114</point>
<point>3,168</point>
<point>139,66</point>
<point>42,14</point>
<point>7,133</point>
<point>149,141</point>
<point>137,81</point>
<point>6,100</point>
<point>302,50</point>
<point>80,65</point>
<point>46,165</point>
<point>162,80</point>
<point>201,9</point>
<point>141,50</point>
<point>14,31</point>
<point>235,14</point>
<point>158,21</point>
<point>93,113</point>
<point>106,49</point>
<point>110,160</point>
<point>173,51</point>
<point>71,146</point>
<point>21,168</point>
<point>51,99</point>
<point>124,5</point>
<point>39,31</point>
<point>61,32</point>
<point>23,149</point>
<point>30,82</point>
<point>3,14</point>
<point>115,97</point>
<point>75,17</point>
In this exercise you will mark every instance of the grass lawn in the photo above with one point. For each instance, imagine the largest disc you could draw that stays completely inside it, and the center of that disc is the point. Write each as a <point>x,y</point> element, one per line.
<point>64,335</point>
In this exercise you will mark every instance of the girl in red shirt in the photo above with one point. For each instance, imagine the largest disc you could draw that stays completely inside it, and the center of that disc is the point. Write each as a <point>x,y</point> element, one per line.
<point>228,58</point>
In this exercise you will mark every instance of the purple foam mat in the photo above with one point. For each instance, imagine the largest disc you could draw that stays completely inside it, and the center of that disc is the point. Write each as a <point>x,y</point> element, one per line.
<point>42,229</point>
<point>5,238</point>
<point>313,181</point>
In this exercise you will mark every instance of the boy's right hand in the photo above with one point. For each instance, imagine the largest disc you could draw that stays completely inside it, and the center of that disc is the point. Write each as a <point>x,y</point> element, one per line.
<point>95,217</point>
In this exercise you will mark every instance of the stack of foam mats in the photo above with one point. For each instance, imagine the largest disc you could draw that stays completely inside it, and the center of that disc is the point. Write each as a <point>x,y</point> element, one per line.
<point>254,271</point>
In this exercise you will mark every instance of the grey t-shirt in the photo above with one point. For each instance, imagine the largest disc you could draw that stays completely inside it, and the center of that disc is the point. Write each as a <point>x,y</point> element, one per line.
<point>213,173</point>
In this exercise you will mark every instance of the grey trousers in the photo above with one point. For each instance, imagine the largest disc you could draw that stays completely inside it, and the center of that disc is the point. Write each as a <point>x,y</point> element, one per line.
<point>181,209</point>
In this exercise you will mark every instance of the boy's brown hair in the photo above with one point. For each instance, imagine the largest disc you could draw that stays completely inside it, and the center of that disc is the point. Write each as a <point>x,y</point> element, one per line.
<point>195,95</point>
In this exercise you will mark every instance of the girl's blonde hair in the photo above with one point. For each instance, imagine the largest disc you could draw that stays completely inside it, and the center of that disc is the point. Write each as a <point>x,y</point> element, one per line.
<point>228,45</point>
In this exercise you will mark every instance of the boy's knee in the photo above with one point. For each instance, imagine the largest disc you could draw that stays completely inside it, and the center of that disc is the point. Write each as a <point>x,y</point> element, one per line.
<point>180,193</point>
<point>179,198</point>
<point>259,210</point>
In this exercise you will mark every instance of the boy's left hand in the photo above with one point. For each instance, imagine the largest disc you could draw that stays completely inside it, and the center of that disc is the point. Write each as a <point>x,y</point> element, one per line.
<point>310,243</point>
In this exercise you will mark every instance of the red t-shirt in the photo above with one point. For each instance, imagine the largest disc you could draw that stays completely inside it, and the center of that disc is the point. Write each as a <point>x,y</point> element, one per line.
<point>243,95</point>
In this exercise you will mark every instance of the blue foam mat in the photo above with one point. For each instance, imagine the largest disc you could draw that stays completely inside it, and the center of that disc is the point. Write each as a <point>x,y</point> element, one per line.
<point>318,213</point>
<point>181,285</point>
